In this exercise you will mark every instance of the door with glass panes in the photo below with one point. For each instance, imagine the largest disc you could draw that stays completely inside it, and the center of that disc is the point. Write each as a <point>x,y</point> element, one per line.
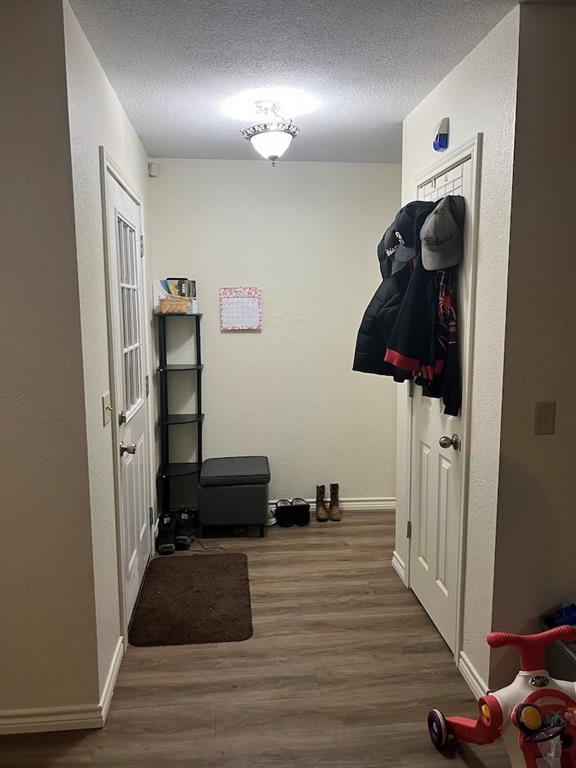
<point>127,324</point>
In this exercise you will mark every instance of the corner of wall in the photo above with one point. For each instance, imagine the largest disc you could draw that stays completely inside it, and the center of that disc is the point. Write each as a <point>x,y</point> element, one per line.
<point>96,118</point>
<point>46,581</point>
<point>534,561</point>
<point>478,95</point>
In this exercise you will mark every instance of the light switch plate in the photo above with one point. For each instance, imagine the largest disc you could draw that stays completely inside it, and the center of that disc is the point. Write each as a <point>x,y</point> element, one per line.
<point>106,409</point>
<point>544,417</point>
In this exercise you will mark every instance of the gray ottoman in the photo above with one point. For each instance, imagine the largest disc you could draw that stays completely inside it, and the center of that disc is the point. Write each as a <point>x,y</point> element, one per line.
<point>234,491</point>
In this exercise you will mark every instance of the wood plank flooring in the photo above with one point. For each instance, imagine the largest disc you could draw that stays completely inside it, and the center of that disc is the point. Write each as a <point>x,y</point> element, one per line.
<point>340,673</point>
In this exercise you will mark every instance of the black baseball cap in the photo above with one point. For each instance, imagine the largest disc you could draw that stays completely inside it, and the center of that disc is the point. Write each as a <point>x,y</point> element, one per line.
<point>407,224</point>
<point>386,250</point>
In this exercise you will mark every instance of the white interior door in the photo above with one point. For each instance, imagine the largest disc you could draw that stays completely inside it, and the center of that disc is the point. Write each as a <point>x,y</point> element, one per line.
<point>437,461</point>
<point>127,333</point>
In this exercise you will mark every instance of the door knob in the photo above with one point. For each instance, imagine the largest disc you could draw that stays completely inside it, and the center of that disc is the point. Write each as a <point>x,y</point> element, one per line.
<point>447,442</point>
<point>127,449</point>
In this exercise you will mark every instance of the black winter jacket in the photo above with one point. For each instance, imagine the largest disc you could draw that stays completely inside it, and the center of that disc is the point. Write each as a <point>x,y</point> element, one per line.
<point>418,341</point>
<point>380,316</point>
<point>409,329</point>
<point>377,325</point>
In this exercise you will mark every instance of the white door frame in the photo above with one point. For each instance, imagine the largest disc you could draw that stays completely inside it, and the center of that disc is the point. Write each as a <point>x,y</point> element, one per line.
<point>472,150</point>
<point>108,166</point>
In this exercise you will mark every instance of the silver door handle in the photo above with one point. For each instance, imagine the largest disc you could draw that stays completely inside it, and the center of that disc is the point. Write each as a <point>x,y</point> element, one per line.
<point>450,442</point>
<point>127,449</point>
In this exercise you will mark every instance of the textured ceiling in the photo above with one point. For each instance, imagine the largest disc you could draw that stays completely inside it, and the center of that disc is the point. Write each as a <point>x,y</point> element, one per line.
<point>173,63</point>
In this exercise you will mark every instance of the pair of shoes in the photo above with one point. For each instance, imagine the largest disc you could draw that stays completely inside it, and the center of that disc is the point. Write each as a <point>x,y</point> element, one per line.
<point>175,531</point>
<point>295,512</point>
<point>333,512</point>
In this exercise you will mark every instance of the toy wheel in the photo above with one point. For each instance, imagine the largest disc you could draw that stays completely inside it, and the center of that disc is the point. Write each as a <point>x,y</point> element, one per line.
<point>437,728</point>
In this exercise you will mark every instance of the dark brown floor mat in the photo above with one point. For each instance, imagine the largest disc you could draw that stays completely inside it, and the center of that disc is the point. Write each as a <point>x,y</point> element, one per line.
<point>199,598</point>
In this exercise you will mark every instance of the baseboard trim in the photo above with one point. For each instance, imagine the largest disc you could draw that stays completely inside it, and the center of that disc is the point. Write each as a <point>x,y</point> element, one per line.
<point>399,567</point>
<point>359,504</point>
<point>73,718</point>
<point>111,677</point>
<point>51,719</point>
<point>471,676</point>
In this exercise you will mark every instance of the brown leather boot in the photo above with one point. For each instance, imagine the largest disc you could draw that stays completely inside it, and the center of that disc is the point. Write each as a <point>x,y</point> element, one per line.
<point>334,512</point>
<point>321,512</point>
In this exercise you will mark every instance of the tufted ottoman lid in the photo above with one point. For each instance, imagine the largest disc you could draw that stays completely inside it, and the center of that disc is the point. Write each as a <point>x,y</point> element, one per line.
<point>235,470</point>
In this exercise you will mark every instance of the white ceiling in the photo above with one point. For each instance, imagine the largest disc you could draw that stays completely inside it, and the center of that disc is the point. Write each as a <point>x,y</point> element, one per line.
<point>173,62</point>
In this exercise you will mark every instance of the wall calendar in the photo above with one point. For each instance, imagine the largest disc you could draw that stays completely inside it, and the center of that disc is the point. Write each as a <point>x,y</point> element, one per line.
<point>240,309</point>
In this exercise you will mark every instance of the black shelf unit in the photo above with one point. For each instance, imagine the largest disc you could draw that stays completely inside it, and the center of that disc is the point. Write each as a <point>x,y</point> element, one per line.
<point>180,418</point>
<point>182,472</point>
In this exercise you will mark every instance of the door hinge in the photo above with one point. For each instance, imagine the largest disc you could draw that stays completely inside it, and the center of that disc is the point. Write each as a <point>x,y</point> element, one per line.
<point>409,529</point>
<point>141,246</point>
<point>147,385</point>
<point>151,511</point>
<point>121,418</point>
<point>410,389</point>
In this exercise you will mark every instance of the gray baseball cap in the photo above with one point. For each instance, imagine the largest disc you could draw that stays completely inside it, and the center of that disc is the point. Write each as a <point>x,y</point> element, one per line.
<point>442,234</point>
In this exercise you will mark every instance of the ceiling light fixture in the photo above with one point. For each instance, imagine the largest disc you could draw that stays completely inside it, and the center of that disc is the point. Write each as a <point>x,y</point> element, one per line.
<point>273,135</point>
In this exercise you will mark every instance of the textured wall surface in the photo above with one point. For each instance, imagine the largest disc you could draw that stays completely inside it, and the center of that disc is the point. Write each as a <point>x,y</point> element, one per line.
<point>479,96</point>
<point>306,234</point>
<point>174,63</point>
<point>536,533</point>
<point>97,118</point>
<point>48,636</point>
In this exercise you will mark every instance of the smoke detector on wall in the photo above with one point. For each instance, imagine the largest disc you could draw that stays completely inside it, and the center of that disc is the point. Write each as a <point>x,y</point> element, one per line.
<point>273,134</point>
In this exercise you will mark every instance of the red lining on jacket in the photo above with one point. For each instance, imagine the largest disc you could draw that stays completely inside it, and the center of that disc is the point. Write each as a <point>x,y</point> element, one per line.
<point>412,364</point>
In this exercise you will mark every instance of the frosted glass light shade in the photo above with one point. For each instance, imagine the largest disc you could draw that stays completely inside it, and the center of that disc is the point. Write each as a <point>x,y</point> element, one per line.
<point>271,144</point>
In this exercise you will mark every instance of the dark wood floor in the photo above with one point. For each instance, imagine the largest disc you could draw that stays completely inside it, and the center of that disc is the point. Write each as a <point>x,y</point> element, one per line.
<point>340,673</point>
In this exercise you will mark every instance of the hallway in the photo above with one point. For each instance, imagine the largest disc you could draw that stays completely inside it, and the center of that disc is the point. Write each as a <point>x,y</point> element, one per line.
<point>341,671</point>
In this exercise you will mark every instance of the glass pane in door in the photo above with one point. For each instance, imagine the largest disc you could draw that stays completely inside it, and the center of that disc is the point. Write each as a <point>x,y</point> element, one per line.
<point>129,269</point>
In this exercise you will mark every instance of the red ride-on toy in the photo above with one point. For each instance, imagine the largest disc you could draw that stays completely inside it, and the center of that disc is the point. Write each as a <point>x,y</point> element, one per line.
<point>535,715</point>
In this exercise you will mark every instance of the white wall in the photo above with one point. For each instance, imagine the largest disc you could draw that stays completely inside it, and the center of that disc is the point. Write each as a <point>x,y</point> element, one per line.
<point>479,95</point>
<point>306,234</point>
<point>97,118</point>
<point>48,637</point>
<point>536,532</point>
